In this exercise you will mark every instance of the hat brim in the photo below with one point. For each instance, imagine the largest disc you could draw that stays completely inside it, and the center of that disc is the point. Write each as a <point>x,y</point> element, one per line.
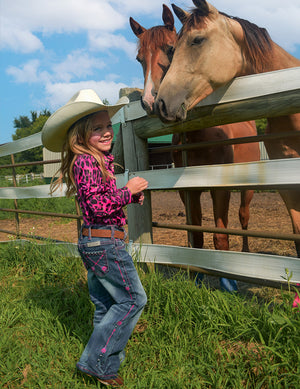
<point>56,127</point>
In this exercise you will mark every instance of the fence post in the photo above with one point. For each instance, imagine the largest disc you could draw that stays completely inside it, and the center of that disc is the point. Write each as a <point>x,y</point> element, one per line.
<point>187,196</point>
<point>15,201</point>
<point>118,152</point>
<point>136,157</point>
<point>78,212</point>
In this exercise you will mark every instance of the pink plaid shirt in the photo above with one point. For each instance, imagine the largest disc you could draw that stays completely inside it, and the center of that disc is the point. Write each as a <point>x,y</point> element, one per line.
<point>101,202</point>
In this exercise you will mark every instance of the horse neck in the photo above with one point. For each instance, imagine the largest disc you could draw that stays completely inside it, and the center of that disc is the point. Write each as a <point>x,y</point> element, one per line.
<point>277,60</point>
<point>282,59</point>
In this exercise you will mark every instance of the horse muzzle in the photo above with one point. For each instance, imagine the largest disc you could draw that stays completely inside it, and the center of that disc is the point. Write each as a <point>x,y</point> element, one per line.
<point>147,107</point>
<point>166,115</point>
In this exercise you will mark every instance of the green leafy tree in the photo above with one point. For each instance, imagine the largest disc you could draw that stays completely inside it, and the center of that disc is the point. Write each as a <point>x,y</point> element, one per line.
<point>261,125</point>
<point>26,126</point>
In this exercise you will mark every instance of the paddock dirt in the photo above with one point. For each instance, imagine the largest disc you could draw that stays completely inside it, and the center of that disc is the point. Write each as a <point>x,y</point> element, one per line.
<point>267,213</point>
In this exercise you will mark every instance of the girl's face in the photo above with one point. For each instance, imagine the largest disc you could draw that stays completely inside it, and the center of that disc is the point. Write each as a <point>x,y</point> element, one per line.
<point>102,132</point>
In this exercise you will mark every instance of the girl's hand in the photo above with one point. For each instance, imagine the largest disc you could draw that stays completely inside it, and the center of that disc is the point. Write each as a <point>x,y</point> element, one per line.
<point>136,185</point>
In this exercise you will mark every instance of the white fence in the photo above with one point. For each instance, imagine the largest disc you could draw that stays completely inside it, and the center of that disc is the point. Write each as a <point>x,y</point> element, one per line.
<point>23,178</point>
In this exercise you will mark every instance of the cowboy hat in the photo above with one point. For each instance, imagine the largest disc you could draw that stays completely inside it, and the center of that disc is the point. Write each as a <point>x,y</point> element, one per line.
<point>83,103</point>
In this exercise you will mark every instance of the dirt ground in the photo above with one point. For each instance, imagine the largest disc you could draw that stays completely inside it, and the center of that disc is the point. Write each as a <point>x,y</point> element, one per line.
<point>267,213</point>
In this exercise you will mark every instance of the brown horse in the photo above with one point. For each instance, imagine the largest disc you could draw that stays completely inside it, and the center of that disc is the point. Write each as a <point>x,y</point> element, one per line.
<point>212,49</point>
<point>155,50</point>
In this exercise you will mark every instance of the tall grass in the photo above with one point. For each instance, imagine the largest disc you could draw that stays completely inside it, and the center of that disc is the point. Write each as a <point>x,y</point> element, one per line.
<point>186,337</point>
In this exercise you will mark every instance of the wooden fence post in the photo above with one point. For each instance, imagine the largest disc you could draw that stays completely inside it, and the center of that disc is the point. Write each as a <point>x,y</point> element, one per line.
<point>78,212</point>
<point>136,158</point>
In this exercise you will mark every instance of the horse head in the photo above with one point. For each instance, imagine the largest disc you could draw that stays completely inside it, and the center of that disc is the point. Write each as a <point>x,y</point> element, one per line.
<point>155,51</point>
<point>207,56</point>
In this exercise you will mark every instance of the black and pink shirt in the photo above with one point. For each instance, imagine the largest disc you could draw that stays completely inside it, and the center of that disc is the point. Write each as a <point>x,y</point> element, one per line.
<point>101,202</point>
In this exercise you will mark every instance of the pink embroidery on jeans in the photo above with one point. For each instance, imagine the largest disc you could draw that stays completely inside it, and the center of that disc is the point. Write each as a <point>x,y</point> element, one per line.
<point>90,257</point>
<point>114,330</point>
<point>126,287</point>
<point>104,268</point>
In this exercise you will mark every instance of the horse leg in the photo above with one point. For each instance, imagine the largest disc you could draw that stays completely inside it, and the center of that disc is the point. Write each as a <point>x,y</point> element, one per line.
<point>221,200</point>
<point>291,199</point>
<point>196,214</point>
<point>244,214</point>
<point>192,199</point>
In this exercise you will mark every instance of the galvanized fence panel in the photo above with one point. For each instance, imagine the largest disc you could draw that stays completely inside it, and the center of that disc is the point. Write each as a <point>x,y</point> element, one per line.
<point>258,268</point>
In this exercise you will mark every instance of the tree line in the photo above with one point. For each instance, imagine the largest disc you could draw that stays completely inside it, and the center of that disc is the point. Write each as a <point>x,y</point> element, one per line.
<point>26,126</point>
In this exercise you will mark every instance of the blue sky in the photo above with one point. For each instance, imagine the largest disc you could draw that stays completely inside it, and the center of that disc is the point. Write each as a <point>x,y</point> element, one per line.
<point>49,49</point>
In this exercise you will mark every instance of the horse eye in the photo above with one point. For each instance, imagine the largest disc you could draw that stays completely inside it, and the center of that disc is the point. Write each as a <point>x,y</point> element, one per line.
<point>198,40</point>
<point>170,52</point>
<point>164,69</point>
<point>138,59</point>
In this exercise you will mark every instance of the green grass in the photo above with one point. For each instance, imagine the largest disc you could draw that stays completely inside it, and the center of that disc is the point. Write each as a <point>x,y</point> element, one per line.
<point>186,337</point>
<point>55,204</point>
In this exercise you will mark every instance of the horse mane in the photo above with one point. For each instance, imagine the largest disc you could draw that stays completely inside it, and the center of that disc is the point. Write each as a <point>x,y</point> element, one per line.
<point>196,17</point>
<point>156,36</point>
<point>258,43</point>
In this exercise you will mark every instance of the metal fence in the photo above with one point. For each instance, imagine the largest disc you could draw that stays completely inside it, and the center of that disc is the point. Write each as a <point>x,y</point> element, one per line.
<point>136,128</point>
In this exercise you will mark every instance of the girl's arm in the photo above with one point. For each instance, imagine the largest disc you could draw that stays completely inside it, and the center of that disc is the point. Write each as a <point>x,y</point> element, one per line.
<point>103,198</point>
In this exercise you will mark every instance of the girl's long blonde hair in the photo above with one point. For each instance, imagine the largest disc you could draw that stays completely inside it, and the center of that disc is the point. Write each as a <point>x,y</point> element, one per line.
<point>76,143</point>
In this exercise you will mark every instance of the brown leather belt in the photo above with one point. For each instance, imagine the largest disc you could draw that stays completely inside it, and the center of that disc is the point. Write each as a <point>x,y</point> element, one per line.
<point>103,233</point>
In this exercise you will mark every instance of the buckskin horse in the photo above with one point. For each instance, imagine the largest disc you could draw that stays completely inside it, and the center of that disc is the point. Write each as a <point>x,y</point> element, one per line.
<point>212,49</point>
<point>155,49</point>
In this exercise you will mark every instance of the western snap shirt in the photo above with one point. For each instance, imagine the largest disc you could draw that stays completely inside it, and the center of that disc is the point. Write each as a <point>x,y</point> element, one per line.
<point>101,202</point>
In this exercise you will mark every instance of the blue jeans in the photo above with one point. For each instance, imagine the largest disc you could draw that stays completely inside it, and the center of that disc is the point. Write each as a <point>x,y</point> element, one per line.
<point>226,284</point>
<point>119,298</point>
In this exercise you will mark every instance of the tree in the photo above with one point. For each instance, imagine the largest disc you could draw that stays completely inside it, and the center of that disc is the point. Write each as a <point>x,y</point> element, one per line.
<point>261,125</point>
<point>26,126</point>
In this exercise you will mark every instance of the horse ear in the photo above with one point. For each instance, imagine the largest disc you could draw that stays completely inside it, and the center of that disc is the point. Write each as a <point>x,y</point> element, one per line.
<point>180,13</point>
<point>205,7</point>
<point>136,27</point>
<point>168,17</point>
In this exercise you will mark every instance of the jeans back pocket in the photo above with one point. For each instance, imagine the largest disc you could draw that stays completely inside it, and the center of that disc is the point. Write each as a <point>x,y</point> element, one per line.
<point>94,257</point>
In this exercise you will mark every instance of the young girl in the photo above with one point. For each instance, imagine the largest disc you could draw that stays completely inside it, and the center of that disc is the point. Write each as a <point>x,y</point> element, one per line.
<point>82,130</point>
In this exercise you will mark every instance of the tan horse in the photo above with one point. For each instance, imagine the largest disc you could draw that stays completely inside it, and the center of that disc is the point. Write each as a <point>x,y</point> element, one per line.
<point>212,49</point>
<point>155,50</point>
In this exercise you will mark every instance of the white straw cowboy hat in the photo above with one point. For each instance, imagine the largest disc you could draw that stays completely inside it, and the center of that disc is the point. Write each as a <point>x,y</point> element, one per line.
<point>83,103</point>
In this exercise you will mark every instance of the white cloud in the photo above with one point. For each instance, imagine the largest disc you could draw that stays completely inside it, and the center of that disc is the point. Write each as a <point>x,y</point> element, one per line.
<point>18,39</point>
<point>28,73</point>
<point>77,64</point>
<point>59,93</point>
<point>107,41</point>
<point>139,7</point>
<point>63,15</point>
<point>20,20</point>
